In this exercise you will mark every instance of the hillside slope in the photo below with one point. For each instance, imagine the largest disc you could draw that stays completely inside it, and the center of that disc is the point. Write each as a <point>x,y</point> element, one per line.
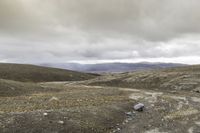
<point>31,73</point>
<point>105,104</point>
<point>180,78</point>
<point>171,98</point>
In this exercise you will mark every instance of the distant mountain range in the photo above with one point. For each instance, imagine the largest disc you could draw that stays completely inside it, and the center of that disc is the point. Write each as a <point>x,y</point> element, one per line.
<point>111,67</point>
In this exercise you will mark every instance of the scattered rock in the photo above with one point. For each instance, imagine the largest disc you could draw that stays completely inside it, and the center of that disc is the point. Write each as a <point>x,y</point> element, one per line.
<point>197,123</point>
<point>181,113</point>
<point>139,107</point>
<point>118,129</point>
<point>54,99</point>
<point>191,130</point>
<point>45,114</point>
<point>154,131</point>
<point>197,90</point>
<point>126,121</point>
<point>129,113</point>
<point>195,99</point>
<point>12,88</point>
<point>130,119</point>
<point>61,122</point>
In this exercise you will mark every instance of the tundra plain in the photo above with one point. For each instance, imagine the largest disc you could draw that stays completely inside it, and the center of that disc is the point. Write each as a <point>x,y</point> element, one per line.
<point>102,103</point>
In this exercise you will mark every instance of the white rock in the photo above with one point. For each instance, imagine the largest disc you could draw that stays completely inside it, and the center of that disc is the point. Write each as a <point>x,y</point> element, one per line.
<point>45,114</point>
<point>126,121</point>
<point>54,99</point>
<point>129,113</point>
<point>118,129</point>
<point>61,122</point>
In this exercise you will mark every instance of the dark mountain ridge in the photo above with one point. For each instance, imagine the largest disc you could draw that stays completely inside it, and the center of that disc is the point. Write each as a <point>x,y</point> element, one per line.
<point>112,67</point>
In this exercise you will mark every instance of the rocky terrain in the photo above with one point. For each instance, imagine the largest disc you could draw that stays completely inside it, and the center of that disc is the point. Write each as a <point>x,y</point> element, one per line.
<point>105,103</point>
<point>171,97</point>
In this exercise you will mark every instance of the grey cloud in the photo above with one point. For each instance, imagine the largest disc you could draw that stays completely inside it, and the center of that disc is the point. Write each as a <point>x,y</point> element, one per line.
<point>151,20</point>
<point>64,30</point>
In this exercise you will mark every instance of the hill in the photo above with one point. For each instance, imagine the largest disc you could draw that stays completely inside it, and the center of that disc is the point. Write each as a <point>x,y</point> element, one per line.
<point>32,73</point>
<point>112,67</point>
<point>171,97</point>
<point>170,79</point>
<point>105,104</point>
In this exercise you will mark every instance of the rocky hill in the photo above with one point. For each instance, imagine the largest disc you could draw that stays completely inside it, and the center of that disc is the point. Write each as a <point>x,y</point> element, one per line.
<point>171,79</point>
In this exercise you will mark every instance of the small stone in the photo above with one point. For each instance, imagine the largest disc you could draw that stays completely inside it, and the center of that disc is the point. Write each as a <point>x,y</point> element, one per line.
<point>118,129</point>
<point>129,113</point>
<point>12,88</point>
<point>54,99</point>
<point>130,119</point>
<point>139,107</point>
<point>61,122</point>
<point>126,121</point>
<point>45,114</point>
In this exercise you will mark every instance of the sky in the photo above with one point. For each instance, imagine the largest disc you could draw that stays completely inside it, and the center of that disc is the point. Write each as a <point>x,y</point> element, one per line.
<point>96,31</point>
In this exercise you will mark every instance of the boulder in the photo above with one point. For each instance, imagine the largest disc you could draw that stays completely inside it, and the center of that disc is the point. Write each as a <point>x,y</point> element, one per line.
<point>139,107</point>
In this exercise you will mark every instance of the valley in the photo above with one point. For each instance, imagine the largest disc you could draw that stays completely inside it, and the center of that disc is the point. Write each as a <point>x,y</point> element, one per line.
<point>105,103</point>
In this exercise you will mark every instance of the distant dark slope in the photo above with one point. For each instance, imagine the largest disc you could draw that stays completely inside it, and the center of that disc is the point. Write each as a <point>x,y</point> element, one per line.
<point>112,67</point>
<point>31,73</point>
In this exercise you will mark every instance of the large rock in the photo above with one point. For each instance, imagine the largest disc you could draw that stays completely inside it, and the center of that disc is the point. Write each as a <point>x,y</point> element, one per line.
<point>139,107</point>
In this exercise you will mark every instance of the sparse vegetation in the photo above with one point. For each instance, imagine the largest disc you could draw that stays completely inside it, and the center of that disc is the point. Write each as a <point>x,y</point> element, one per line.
<point>183,78</point>
<point>79,108</point>
<point>100,104</point>
<point>82,109</point>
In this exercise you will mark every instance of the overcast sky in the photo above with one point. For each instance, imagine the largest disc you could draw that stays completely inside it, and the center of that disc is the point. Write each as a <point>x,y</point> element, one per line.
<point>90,31</point>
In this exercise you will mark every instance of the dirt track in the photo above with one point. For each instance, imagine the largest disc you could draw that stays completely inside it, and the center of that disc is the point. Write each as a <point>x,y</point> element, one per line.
<point>85,108</point>
<point>164,113</point>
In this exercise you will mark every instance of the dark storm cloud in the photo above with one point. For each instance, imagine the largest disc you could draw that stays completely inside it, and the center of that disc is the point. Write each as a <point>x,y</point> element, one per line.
<point>64,30</point>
